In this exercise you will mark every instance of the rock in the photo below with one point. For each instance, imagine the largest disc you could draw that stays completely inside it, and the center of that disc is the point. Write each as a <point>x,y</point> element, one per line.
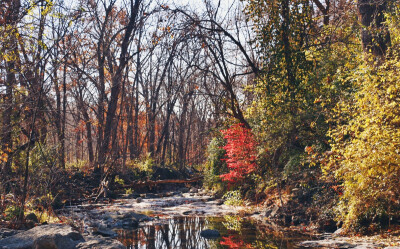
<point>133,195</point>
<point>130,223</point>
<point>250,195</point>
<point>151,196</point>
<point>29,224</point>
<point>43,237</point>
<point>106,232</point>
<point>326,244</point>
<point>138,217</point>
<point>32,217</point>
<point>139,199</point>
<point>193,190</point>
<point>272,212</point>
<point>5,232</point>
<point>54,241</point>
<point>338,232</point>
<point>366,246</point>
<point>210,234</point>
<point>100,243</point>
<point>184,190</point>
<point>327,225</point>
<point>131,220</point>
<point>46,242</point>
<point>220,202</point>
<point>106,216</point>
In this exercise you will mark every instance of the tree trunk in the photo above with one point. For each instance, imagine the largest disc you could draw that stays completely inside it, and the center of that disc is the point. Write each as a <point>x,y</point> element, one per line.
<point>12,10</point>
<point>116,84</point>
<point>375,37</point>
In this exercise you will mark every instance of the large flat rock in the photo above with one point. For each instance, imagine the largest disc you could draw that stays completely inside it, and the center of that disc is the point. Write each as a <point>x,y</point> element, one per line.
<point>51,236</point>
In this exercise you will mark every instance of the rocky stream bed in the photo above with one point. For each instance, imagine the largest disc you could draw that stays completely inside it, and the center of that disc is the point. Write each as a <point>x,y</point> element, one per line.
<point>182,219</point>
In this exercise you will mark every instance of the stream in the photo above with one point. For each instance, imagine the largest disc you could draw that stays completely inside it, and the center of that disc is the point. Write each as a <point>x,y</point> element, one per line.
<point>184,232</point>
<point>176,220</point>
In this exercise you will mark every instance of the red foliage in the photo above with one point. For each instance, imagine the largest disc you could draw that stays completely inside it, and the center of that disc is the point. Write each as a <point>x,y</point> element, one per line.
<point>241,152</point>
<point>233,242</point>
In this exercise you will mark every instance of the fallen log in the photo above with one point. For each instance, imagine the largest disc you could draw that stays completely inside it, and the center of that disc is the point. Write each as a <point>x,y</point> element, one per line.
<point>150,183</point>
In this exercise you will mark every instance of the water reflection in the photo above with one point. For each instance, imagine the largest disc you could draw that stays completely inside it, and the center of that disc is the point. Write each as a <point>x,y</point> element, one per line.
<point>184,233</point>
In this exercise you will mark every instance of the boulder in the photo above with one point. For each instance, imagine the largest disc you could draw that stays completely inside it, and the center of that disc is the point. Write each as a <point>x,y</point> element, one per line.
<point>106,232</point>
<point>193,190</point>
<point>5,232</point>
<point>43,237</point>
<point>130,223</point>
<point>327,225</point>
<point>100,243</point>
<point>45,242</point>
<point>138,217</point>
<point>184,190</point>
<point>339,232</point>
<point>210,234</point>
<point>367,246</point>
<point>326,244</point>
<point>272,212</point>
<point>32,217</point>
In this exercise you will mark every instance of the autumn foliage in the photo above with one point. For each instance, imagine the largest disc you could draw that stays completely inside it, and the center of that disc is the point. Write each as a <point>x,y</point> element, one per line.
<point>240,154</point>
<point>232,242</point>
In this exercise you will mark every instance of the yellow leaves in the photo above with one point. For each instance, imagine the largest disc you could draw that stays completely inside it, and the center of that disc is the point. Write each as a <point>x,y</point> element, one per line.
<point>367,140</point>
<point>317,100</point>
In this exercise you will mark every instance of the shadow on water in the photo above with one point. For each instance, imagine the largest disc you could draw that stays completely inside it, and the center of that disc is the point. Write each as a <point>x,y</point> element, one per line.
<point>184,233</point>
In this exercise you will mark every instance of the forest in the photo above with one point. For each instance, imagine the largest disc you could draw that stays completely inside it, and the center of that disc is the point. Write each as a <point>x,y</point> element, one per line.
<point>292,103</point>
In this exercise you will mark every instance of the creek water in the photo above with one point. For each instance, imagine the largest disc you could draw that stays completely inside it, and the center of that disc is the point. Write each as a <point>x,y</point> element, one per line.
<point>183,232</point>
<point>177,221</point>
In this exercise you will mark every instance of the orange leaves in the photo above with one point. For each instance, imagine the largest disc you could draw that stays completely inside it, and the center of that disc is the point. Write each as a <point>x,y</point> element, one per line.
<point>4,157</point>
<point>309,150</point>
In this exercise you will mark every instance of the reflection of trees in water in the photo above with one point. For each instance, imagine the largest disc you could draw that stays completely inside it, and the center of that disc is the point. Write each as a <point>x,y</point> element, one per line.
<point>182,232</point>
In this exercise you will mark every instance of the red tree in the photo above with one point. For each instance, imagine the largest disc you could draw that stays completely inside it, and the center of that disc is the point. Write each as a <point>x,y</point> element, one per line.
<point>241,152</point>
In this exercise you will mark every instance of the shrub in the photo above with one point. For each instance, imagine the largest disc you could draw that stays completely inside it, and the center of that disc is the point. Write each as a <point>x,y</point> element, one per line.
<point>215,166</point>
<point>241,152</point>
<point>233,198</point>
